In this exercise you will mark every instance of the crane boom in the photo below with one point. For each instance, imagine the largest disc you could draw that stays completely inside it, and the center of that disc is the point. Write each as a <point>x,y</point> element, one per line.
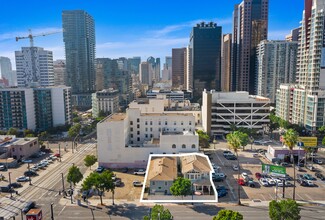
<point>31,36</point>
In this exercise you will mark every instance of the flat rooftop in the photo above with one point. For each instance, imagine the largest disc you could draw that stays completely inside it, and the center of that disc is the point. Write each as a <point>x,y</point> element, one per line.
<point>167,114</point>
<point>115,117</point>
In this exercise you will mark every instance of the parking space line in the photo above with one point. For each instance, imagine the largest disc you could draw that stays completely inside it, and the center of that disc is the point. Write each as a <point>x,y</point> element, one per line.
<point>309,198</point>
<point>298,195</point>
<point>264,199</point>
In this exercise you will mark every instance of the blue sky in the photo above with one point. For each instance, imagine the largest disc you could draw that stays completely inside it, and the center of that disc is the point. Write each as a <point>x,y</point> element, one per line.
<point>130,28</point>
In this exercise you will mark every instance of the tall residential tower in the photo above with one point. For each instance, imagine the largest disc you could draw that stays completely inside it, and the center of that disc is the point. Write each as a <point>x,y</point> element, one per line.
<point>79,40</point>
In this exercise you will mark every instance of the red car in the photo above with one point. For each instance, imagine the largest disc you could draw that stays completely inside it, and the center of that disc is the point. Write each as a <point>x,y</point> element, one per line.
<point>57,155</point>
<point>241,182</point>
<point>258,176</point>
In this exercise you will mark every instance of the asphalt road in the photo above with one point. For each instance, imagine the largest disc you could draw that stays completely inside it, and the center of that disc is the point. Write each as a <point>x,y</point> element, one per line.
<point>181,212</point>
<point>45,188</point>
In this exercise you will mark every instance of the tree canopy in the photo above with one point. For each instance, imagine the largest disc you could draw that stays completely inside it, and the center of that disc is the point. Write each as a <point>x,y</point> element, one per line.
<point>181,187</point>
<point>74,130</point>
<point>154,215</point>
<point>90,160</point>
<point>12,131</point>
<point>100,181</point>
<point>237,139</point>
<point>284,210</point>
<point>74,175</point>
<point>228,215</point>
<point>203,139</point>
<point>290,138</point>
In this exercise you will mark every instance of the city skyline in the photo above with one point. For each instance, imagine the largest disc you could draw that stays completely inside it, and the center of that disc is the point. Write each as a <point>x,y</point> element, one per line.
<point>154,35</point>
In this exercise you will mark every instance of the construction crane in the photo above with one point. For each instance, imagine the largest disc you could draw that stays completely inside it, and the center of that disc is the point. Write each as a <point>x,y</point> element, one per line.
<point>31,36</point>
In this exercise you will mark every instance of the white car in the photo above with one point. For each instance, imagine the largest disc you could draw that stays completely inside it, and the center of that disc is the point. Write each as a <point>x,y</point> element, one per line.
<point>139,172</point>
<point>310,183</point>
<point>235,167</point>
<point>215,167</point>
<point>278,182</point>
<point>22,179</point>
<point>137,183</point>
<point>244,175</point>
<point>264,182</point>
<point>221,175</point>
<point>271,181</point>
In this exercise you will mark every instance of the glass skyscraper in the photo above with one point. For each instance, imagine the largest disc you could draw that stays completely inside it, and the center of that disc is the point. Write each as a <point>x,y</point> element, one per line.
<point>79,40</point>
<point>205,44</point>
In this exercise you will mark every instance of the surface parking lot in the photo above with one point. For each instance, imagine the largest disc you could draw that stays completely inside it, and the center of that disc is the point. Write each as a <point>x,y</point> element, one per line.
<point>251,165</point>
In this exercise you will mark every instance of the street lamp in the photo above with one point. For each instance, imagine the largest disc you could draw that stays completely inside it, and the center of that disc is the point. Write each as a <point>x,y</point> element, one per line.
<point>10,184</point>
<point>62,184</point>
<point>52,216</point>
<point>60,152</point>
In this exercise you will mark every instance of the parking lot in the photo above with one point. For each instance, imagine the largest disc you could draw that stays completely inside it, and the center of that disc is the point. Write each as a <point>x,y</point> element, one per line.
<point>252,164</point>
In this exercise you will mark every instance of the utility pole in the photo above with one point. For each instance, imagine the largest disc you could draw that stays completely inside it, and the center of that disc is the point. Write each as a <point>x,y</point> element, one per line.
<point>62,183</point>
<point>71,192</point>
<point>30,179</point>
<point>60,152</point>
<point>10,184</point>
<point>283,189</point>
<point>52,217</point>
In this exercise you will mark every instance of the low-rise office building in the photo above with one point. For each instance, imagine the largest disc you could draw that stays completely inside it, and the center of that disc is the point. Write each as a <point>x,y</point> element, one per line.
<point>18,148</point>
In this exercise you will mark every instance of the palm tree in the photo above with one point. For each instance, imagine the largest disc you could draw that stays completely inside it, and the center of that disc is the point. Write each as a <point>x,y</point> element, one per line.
<point>235,140</point>
<point>290,139</point>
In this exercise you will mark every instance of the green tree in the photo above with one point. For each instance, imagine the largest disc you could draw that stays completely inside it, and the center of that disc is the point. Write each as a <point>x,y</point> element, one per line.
<point>158,212</point>
<point>43,135</point>
<point>284,210</point>
<point>12,131</point>
<point>228,215</point>
<point>74,130</point>
<point>203,139</point>
<point>90,160</point>
<point>28,133</point>
<point>74,175</point>
<point>101,182</point>
<point>181,187</point>
<point>235,140</point>
<point>3,132</point>
<point>323,141</point>
<point>76,119</point>
<point>290,139</point>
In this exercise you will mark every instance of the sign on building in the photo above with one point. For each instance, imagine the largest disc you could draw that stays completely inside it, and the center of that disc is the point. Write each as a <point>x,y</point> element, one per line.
<point>308,141</point>
<point>273,169</point>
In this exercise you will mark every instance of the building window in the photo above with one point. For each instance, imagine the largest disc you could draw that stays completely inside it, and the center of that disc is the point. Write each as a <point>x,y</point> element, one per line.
<point>190,123</point>
<point>165,183</point>
<point>20,149</point>
<point>151,135</point>
<point>131,122</point>
<point>164,153</point>
<point>166,123</point>
<point>131,129</point>
<point>146,123</point>
<point>182,123</point>
<point>138,120</point>
<point>131,135</point>
<point>146,129</point>
<point>174,122</point>
<point>138,126</point>
<point>146,135</point>
<point>153,183</point>
<point>174,146</point>
<point>138,139</point>
<point>131,142</point>
<point>159,123</point>
<point>150,129</point>
<point>159,129</point>
<point>13,149</point>
<point>193,145</point>
<point>150,122</point>
<point>138,132</point>
<point>183,146</point>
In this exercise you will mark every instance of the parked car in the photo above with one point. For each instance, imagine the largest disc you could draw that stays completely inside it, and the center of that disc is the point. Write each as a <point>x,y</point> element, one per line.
<point>307,176</point>
<point>2,167</point>
<point>235,167</point>
<point>310,183</point>
<point>215,167</point>
<point>139,172</point>
<point>231,157</point>
<point>6,189</point>
<point>100,169</point>
<point>271,181</point>
<point>258,175</point>
<point>222,193</point>
<point>28,207</point>
<point>27,161</point>
<point>137,183</point>
<point>22,179</point>
<point>216,178</point>
<point>264,182</point>
<point>227,152</point>
<point>278,182</point>
<point>310,167</point>
<point>15,185</point>
<point>221,175</point>
<point>298,168</point>
<point>30,173</point>
<point>244,175</point>
<point>118,182</point>
<point>318,161</point>
<point>320,176</point>
<point>125,170</point>
<point>285,164</point>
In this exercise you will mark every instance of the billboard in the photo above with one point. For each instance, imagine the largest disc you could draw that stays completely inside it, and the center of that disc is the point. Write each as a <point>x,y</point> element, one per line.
<point>273,169</point>
<point>308,141</point>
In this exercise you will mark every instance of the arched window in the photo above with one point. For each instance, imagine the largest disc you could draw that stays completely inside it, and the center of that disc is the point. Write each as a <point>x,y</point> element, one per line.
<point>193,145</point>
<point>183,146</point>
<point>174,146</point>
